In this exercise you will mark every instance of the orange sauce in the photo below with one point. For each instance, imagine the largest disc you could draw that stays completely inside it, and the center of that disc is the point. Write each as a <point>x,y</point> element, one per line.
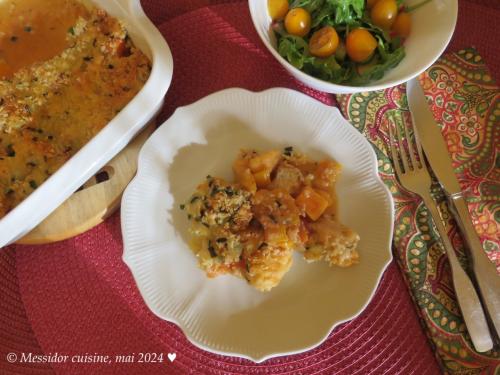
<point>34,31</point>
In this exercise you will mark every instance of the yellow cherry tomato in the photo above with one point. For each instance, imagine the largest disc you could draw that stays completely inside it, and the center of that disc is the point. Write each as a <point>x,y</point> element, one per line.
<point>298,22</point>
<point>324,42</point>
<point>360,45</point>
<point>370,3</point>
<point>402,25</point>
<point>277,9</point>
<point>383,13</point>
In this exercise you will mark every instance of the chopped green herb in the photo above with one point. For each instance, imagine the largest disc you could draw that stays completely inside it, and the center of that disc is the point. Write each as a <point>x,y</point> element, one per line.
<point>10,151</point>
<point>182,206</point>
<point>262,245</point>
<point>194,199</point>
<point>28,29</point>
<point>221,240</point>
<point>211,250</point>
<point>71,30</point>
<point>288,151</point>
<point>33,184</point>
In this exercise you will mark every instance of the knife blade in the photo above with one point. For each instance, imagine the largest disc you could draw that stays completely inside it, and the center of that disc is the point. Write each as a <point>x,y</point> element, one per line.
<point>439,159</point>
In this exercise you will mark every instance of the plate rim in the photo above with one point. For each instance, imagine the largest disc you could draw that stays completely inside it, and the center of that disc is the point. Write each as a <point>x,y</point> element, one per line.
<point>127,257</point>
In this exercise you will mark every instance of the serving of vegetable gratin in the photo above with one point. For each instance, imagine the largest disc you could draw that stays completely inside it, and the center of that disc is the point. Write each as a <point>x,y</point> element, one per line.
<point>280,202</point>
<point>66,70</point>
<point>351,42</point>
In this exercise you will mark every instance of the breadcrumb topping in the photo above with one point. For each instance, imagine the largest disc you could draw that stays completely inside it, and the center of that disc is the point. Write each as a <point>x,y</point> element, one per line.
<point>50,109</point>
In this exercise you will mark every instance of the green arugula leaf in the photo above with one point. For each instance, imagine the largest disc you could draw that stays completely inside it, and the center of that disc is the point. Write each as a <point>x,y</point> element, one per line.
<point>294,49</point>
<point>310,5</point>
<point>347,11</point>
<point>327,69</point>
<point>377,70</point>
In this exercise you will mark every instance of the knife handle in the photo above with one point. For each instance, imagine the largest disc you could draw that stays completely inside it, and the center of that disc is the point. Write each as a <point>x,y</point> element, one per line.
<point>467,298</point>
<point>484,270</point>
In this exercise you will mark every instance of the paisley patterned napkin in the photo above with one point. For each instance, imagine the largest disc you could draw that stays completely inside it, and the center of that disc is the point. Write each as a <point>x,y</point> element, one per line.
<point>466,103</point>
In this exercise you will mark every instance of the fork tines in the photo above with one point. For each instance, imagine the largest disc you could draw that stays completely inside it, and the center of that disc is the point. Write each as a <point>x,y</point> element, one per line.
<point>404,160</point>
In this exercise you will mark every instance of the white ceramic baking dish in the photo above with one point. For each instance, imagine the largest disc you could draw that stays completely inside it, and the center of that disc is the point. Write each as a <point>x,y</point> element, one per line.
<point>112,138</point>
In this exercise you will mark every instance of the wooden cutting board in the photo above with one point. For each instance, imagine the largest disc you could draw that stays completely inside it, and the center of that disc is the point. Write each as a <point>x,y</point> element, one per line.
<point>98,198</point>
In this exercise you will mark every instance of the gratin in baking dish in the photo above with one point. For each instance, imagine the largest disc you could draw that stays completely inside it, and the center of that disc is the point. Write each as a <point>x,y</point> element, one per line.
<point>112,138</point>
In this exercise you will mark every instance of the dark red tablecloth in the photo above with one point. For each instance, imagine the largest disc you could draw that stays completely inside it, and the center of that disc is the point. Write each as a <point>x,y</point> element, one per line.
<point>77,297</point>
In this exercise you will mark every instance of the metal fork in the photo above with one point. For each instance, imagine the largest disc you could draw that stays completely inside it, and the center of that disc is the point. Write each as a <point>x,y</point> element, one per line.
<point>414,176</point>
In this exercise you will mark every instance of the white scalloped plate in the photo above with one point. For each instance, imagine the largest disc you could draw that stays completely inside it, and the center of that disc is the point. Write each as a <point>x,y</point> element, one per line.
<point>225,315</point>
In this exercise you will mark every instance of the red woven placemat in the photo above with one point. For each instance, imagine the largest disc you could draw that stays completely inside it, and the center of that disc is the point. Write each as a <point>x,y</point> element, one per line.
<point>77,297</point>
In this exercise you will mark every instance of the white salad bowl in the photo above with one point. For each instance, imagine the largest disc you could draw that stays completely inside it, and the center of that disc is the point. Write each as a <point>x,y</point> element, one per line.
<point>112,138</point>
<point>432,28</point>
<point>226,315</point>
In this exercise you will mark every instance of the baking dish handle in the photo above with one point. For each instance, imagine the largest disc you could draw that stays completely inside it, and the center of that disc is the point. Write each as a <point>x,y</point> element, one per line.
<point>133,7</point>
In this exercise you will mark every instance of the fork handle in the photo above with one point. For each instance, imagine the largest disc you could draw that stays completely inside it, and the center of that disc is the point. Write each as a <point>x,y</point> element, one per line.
<point>467,297</point>
<point>484,270</point>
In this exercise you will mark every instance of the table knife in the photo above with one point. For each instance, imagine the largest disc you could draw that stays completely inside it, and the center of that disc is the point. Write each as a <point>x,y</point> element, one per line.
<point>439,159</point>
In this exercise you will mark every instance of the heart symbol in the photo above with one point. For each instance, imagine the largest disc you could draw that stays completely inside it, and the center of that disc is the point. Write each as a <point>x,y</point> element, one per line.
<point>171,356</point>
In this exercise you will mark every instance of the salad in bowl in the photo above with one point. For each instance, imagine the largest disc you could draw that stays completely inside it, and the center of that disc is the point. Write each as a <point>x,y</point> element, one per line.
<point>342,41</point>
<point>347,46</point>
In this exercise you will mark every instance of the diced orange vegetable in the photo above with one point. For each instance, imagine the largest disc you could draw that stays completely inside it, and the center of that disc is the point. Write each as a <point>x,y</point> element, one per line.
<point>312,203</point>
<point>326,174</point>
<point>266,161</point>
<point>243,175</point>
<point>276,235</point>
<point>262,178</point>
<point>303,233</point>
<point>325,195</point>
